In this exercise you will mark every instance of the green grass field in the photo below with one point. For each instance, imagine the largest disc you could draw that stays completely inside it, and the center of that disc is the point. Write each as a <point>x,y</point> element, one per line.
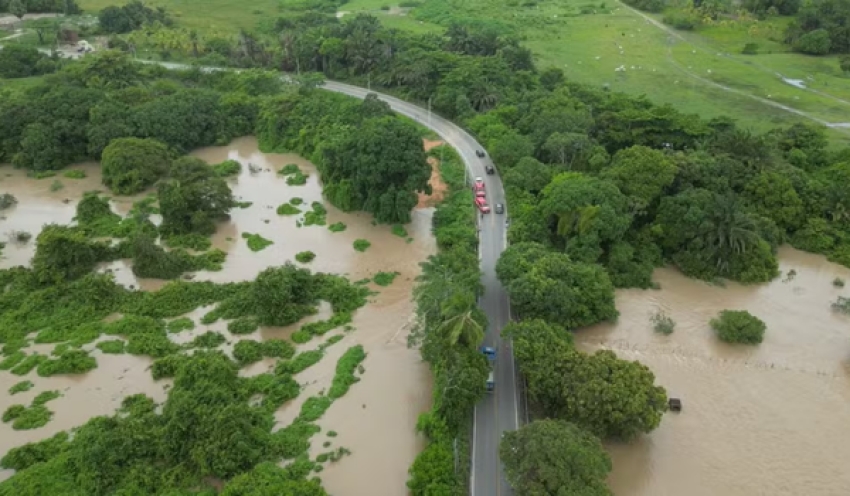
<point>699,72</point>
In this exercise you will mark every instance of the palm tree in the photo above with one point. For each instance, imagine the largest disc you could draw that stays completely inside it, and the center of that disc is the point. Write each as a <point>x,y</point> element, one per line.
<point>729,232</point>
<point>461,321</point>
<point>578,221</point>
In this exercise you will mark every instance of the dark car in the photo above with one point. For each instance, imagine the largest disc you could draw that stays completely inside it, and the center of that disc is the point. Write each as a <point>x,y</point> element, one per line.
<point>489,169</point>
<point>480,153</point>
<point>500,209</point>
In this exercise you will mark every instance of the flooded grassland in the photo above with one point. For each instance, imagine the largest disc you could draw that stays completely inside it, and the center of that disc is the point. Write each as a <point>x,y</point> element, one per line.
<point>765,419</point>
<point>375,420</point>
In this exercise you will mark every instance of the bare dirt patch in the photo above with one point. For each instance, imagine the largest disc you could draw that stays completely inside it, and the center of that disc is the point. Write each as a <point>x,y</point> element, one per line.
<point>438,187</point>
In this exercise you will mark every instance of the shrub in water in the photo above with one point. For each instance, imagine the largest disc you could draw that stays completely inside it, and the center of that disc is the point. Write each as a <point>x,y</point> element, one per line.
<point>305,256</point>
<point>738,326</point>
<point>361,245</point>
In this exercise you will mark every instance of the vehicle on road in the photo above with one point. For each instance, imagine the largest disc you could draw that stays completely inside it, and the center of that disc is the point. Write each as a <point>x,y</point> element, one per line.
<point>489,352</point>
<point>480,153</point>
<point>500,209</point>
<point>491,382</point>
<point>481,203</point>
<point>479,183</point>
<point>490,169</point>
<point>480,193</point>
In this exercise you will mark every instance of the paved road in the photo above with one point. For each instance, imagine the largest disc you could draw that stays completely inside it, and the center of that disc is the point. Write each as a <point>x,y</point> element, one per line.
<point>498,412</point>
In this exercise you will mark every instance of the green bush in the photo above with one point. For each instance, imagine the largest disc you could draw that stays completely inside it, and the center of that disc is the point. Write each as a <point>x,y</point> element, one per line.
<point>297,179</point>
<point>305,256</point>
<point>316,216</point>
<point>399,230</point>
<point>815,42</point>
<point>180,324</point>
<point>289,169</point>
<point>385,278</point>
<point>75,174</point>
<point>337,227</point>
<point>209,339</point>
<point>750,49</point>
<point>21,387</point>
<point>299,363</point>
<point>132,164</point>
<point>738,326</point>
<point>227,168</point>
<point>662,323</point>
<point>111,346</point>
<point>248,351</point>
<point>287,209</point>
<point>192,241</point>
<point>27,364</point>
<point>256,242</point>
<point>361,245</point>
<point>243,325</point>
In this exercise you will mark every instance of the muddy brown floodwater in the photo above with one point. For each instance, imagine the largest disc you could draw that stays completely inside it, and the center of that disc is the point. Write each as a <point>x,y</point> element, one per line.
<point>771,419</point>
<point>375,420</point>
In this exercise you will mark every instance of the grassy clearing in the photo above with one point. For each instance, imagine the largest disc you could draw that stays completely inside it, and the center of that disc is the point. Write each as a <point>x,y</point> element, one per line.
<point>678,68</point>
<point>361,245</point>
<point>256,242</point>
<point>385,278</point>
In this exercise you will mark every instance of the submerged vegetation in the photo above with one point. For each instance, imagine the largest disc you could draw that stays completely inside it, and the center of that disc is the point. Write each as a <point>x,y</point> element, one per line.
<point>256,242</point>
<point>32,417</point>
<point>738,326</point>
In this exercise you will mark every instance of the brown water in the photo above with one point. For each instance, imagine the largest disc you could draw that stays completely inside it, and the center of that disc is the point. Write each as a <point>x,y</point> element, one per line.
<point>396,385</point>
<point>770,419</point>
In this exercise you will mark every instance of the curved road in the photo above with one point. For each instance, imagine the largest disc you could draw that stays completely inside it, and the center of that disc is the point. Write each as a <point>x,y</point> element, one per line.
<point>499,411</point>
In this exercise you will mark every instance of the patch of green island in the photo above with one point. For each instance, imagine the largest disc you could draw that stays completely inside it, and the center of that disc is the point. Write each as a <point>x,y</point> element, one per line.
<point>256,242</point>
<point>32,417</point>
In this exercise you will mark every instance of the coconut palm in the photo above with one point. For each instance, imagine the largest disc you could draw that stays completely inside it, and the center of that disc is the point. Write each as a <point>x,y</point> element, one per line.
<point>461,324</point>
<point>729,232</point>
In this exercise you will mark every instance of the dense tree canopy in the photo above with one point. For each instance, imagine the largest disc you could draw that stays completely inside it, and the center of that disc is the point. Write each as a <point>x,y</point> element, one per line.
<point>369,159</point>
<point>193,198</point>
<point>18,61</point>
<point>608,396</point>
<point>554,458</point>
<point>131,164</point>
<point>552,287</point>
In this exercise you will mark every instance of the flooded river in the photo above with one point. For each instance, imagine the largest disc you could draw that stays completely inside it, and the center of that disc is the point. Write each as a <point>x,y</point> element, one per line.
<point>772,419</point>
<point>375,420</point>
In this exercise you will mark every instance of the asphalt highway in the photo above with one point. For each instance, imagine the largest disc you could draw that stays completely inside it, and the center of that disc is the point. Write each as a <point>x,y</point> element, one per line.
<point>498,411</point>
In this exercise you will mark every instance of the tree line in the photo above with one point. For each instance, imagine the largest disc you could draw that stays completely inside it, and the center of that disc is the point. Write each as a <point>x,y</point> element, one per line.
<point>137,119</point>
